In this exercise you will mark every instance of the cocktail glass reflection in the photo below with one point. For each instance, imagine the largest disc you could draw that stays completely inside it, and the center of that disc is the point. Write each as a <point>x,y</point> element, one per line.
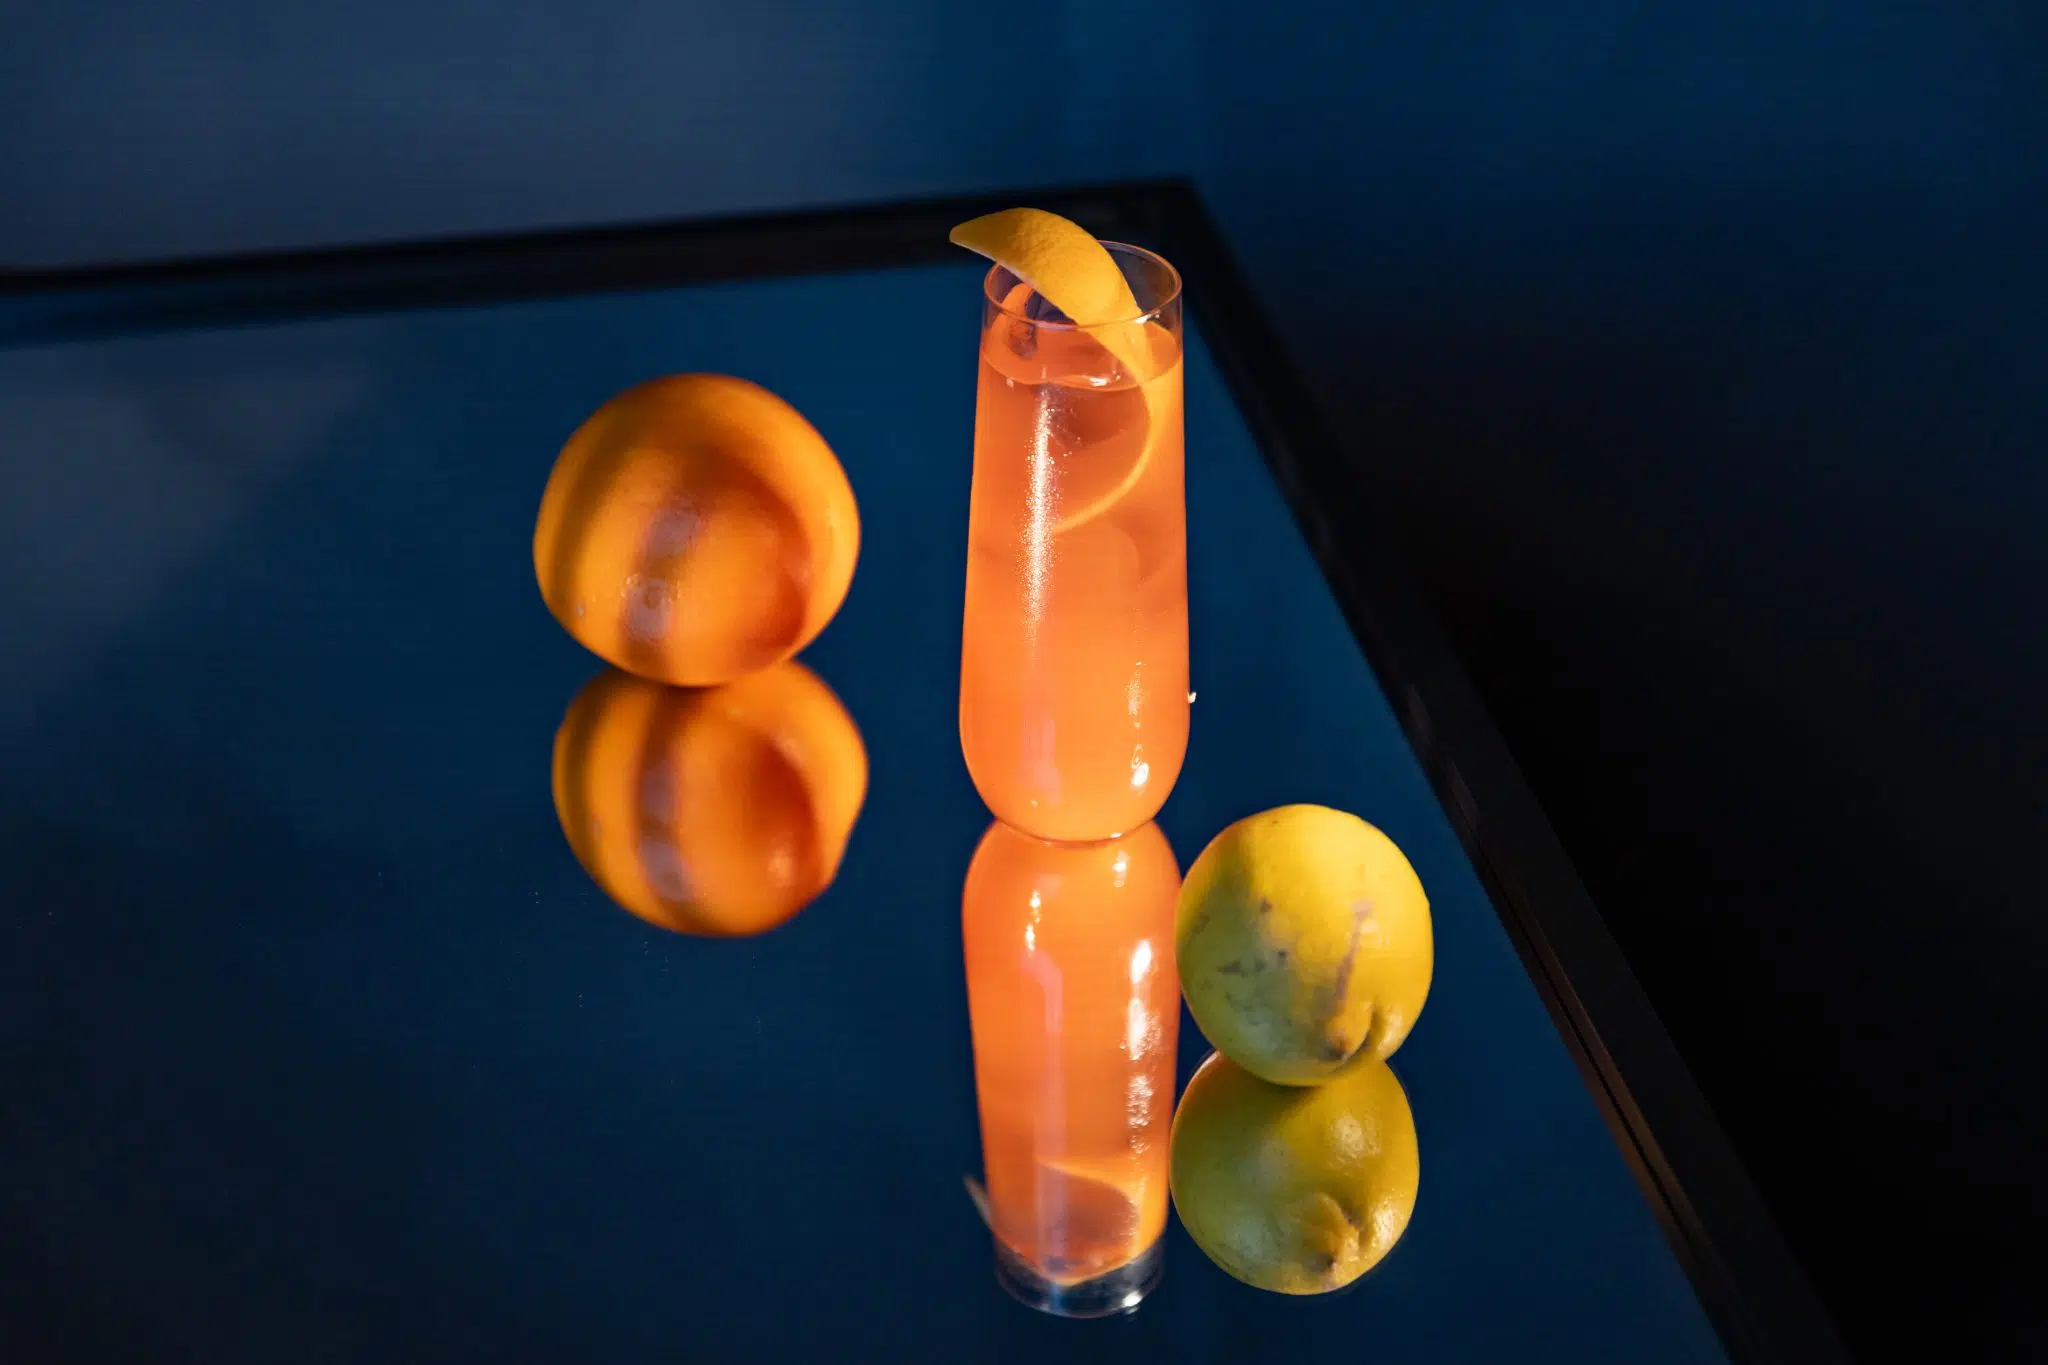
<point>1075,1008</point>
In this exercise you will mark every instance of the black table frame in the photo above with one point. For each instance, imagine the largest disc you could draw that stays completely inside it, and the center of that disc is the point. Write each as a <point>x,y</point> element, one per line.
<point>1717,1224</point>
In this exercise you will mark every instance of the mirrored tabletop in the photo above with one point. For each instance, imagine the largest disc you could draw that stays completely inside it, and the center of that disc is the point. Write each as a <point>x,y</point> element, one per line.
<point>317,1042</point>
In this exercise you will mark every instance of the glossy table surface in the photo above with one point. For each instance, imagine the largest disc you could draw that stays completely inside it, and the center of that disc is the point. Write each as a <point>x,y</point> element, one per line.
<point>316,1043</point>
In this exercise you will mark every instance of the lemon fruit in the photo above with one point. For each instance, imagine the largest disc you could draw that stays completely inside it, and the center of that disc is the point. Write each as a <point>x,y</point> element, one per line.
<point>1076,274</point>
<point>1296,1190</point>
<point>1303,940</point>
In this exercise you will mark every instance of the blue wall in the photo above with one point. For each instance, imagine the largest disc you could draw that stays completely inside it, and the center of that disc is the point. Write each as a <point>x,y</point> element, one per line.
<point>1775,266</point>
<point>1699,352</point>
<point>159,127</point>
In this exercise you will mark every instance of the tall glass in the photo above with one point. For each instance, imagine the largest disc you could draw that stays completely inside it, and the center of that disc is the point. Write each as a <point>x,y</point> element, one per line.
<point>1076,1008</point>
<point>1074,651</point>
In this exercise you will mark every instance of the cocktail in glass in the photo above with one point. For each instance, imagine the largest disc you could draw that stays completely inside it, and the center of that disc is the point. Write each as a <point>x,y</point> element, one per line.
<point>1076,1009</point>
<point>1074,651</point>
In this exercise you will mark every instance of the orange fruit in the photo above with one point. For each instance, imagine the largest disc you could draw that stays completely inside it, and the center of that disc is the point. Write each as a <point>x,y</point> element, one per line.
<point>718,811</point>
<point>695,528</point>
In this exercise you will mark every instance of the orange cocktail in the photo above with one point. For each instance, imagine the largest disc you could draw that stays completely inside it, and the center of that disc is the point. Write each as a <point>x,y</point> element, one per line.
<point>1074,657</point>
<point>1075,1008</point>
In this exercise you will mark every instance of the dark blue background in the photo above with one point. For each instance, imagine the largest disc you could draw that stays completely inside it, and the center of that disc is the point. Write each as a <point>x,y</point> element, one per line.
<point>1697,348</point>
<point>1700,349</point>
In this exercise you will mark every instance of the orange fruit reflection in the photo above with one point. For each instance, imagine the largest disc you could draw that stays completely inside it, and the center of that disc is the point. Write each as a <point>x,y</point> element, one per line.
<point>696,528</point>
<point>719,811</point>
<point>1075,1009</point>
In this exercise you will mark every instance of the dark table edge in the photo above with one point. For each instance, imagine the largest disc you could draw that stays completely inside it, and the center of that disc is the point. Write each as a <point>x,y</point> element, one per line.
<point>1753,1288</point>
<point>1755,1292</point>
<point>84,303</point>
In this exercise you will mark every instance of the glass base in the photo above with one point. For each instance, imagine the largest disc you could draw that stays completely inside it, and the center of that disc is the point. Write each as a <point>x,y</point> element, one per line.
<point>1112,1292</point>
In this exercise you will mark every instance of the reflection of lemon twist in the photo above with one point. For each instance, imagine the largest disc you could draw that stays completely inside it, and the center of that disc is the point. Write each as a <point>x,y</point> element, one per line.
<point>1077,275</point>
<point>1121,1200</point>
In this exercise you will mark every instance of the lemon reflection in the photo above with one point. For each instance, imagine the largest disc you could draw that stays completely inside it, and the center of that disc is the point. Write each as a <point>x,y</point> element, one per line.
<point>1075,1010</point>
<point>716,811</point>
<point>1296,1189</point>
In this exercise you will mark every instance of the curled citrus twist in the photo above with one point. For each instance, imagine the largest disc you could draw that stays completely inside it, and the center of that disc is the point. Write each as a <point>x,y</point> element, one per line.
<point>1076,274</point>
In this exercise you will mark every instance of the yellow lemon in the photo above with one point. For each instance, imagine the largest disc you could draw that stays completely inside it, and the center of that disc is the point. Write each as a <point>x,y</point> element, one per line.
<point>1303,940</point>
<point>1297,1190</point>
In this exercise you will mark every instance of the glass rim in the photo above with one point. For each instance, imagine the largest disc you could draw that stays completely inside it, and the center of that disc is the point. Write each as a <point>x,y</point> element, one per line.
<point>1171,297</point>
